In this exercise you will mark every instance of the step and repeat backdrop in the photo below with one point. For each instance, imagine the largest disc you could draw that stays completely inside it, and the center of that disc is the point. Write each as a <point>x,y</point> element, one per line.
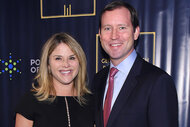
<point>26,24</point>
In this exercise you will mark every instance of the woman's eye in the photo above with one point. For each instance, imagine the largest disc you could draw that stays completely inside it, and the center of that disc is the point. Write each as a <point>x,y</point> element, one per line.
<point>72,58</point>
<point>57,58</point>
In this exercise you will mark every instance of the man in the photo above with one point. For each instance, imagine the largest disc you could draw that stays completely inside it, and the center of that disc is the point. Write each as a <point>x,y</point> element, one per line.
<point>143,95</point>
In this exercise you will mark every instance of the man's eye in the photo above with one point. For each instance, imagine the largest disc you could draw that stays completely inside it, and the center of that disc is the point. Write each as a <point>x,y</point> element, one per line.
<point>121,28</point>
<point>106,28</point>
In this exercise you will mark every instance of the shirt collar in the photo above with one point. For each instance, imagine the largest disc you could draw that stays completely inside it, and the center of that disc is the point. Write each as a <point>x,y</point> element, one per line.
<point>128,61</point>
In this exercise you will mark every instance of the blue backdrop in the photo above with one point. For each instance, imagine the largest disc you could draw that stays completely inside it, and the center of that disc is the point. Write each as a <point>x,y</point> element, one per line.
<point>26,24</point>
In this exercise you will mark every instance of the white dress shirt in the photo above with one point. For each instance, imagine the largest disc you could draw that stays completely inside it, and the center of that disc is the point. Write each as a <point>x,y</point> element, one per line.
<point>124,67</point>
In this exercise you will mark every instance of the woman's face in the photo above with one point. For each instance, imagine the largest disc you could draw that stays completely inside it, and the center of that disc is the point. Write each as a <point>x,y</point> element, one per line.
<point>64,65</point>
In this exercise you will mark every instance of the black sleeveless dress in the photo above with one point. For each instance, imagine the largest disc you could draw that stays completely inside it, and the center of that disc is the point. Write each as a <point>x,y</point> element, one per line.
<point>45,114</point>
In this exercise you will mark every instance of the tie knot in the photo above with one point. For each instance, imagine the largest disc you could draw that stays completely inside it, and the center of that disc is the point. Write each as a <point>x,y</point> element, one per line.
<point>113,71</point>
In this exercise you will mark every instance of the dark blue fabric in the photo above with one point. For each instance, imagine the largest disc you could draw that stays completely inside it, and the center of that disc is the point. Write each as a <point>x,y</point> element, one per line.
<point>164,41</point>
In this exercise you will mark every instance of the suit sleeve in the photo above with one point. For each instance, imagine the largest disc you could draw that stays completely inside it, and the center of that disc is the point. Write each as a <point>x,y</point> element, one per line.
<point>163,106</point>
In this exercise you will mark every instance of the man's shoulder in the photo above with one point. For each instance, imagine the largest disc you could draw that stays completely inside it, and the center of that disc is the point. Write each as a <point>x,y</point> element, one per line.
<point>149,70</point>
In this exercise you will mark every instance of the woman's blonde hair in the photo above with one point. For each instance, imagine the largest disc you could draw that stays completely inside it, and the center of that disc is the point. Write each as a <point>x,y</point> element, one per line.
<point>44,89</point>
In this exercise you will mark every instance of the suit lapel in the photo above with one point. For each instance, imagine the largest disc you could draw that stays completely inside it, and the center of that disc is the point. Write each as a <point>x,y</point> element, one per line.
<point>103,85</point>
<point>128,86</point>
<point>100,91</point>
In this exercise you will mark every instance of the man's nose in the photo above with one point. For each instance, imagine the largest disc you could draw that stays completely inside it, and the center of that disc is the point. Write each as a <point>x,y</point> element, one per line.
<point>114,34</point>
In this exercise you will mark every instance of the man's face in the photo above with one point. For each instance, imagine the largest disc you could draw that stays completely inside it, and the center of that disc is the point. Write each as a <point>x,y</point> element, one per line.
<point>117,34</point>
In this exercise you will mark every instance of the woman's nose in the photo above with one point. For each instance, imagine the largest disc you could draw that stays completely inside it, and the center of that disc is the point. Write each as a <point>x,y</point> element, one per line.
<point>66,63</point>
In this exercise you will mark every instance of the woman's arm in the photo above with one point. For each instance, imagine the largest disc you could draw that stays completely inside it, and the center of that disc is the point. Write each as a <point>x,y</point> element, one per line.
<point>21,121</point>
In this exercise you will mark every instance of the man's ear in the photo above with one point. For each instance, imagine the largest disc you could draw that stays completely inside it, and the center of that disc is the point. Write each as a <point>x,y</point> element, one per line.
<point>136,33</point>
<point>99,31</point>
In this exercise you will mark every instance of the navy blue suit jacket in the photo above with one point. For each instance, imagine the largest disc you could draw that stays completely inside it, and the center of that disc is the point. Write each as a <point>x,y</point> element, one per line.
<point>148,98</point>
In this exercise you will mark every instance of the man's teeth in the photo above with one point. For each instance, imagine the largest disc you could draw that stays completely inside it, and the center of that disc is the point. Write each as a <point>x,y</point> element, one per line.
<point>115,44</point>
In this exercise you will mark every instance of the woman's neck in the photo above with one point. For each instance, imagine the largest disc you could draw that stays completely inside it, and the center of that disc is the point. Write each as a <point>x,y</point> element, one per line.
<point>65,90</point>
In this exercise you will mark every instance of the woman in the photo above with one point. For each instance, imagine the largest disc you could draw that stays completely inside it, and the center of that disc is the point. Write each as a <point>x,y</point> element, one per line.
<point>60,97</point>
